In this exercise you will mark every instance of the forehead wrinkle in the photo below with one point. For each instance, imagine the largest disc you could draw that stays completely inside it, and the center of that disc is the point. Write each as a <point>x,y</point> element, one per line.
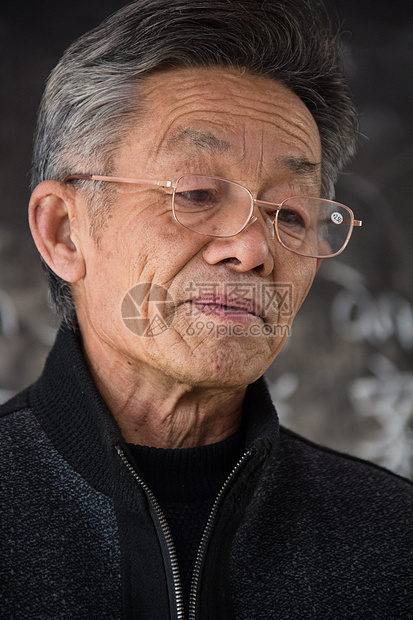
<point>261,156</point>
<point>168,141</point>
<point>298,125</point>
<point>190,90</point>
<point>302,135</point>
<point>272,109</point>
<point>288,126</point>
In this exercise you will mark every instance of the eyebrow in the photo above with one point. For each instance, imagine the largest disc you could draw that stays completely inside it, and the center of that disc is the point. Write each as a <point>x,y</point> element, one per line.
<point>202,140</point>
<point>301,165</point>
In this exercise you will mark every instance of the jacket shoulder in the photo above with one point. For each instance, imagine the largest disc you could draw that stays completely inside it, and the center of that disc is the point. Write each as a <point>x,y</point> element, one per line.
<point>321,462</point>
<point>17,403</point>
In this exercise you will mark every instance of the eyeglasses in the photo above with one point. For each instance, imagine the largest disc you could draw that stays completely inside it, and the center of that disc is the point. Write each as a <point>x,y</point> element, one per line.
<point>216,207</point>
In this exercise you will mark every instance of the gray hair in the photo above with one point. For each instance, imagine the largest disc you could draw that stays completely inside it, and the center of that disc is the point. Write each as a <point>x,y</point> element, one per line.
<point>90,99</point>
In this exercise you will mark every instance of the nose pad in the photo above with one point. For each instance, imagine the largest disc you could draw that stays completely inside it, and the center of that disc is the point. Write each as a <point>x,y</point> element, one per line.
<point>270,226</point>
<point>269,222</point>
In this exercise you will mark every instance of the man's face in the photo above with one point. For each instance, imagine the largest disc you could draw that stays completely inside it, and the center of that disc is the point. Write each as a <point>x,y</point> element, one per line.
<point>215,122</point>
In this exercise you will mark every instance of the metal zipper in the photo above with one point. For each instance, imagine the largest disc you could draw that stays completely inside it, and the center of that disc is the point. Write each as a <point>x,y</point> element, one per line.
<point>170,547</point>
<point>205,537</point>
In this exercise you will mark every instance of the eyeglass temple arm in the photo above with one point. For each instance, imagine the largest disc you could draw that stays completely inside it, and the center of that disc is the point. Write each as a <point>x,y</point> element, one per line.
<point>97,177</point>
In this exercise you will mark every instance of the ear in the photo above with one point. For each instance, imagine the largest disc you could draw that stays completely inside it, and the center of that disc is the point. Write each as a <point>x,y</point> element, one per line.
<point>319,261</point>
<point>52,218</point>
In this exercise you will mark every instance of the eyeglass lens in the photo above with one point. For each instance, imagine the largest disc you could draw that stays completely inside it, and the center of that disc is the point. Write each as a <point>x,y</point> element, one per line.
<point>216,207</point>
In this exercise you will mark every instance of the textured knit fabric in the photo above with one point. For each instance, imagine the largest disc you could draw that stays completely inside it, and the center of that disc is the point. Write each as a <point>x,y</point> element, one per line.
<point>185,483</point>
<point>300,532</point>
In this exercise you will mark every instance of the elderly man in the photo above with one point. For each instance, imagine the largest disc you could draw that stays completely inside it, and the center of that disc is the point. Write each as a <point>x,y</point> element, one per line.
<point>184,165</point>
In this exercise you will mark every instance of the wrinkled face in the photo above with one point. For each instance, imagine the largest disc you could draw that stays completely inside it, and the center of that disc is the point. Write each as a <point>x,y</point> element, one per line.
<point>233,298</point>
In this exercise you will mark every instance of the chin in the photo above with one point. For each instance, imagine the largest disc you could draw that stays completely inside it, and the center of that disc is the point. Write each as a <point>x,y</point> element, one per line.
<point>210,362</point>
<point>227,367</point>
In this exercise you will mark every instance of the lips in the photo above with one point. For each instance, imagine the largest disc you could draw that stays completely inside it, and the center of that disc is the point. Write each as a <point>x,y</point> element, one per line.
<point>224,306</point>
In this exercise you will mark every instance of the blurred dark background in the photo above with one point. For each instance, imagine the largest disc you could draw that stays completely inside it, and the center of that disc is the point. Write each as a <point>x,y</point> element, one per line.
<point>345,378</point>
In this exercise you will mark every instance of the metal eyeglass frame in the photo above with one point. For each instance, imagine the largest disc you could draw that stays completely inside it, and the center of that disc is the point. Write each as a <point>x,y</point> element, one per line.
<point>251,218</point>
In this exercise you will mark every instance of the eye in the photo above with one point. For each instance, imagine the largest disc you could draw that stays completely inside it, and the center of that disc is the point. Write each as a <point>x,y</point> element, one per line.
<point>196,193</point>
<point>199,197</point>
<point>290,217</point>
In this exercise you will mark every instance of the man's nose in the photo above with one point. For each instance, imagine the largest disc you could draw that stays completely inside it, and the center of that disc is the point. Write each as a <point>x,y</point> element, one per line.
<point>250,250</point>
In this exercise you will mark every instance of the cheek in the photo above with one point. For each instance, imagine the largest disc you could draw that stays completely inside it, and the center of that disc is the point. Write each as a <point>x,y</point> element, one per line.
<point>304,283</point>
<point>297,272</point>
<point>160,256</point>
<point>147,253</point>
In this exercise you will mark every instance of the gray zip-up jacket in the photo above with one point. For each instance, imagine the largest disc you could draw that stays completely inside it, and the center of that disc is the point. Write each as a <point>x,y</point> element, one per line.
<point>297,532</point>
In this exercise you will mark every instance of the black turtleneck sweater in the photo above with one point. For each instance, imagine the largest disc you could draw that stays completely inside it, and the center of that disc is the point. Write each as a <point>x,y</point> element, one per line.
<point>186,483</point>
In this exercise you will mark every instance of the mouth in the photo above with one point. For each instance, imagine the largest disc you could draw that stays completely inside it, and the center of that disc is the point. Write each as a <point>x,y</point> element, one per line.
<point>235,309</point>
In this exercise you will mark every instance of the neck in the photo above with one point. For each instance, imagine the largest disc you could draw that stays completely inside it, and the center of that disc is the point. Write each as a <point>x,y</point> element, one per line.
<point>155,410</point>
